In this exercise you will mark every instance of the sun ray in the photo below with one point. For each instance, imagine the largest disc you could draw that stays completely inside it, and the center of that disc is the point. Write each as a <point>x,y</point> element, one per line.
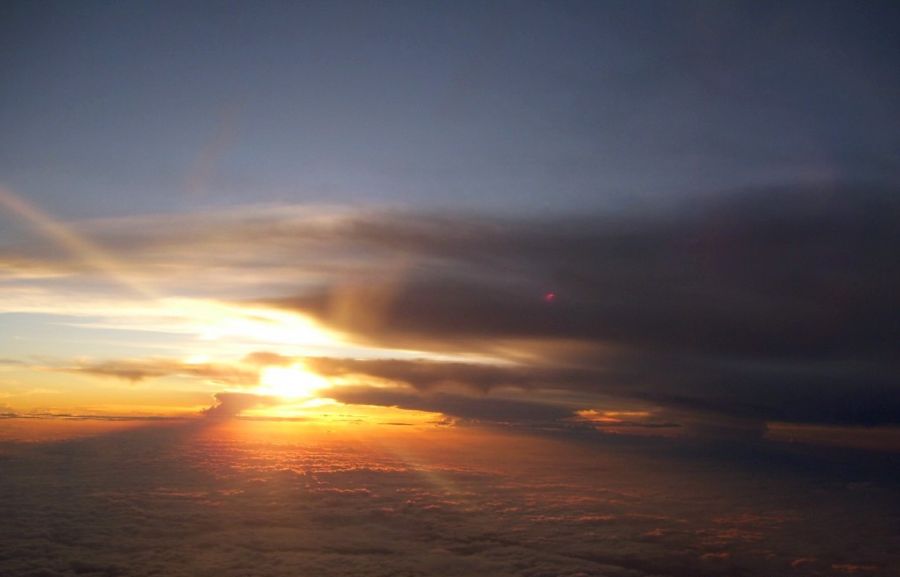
<point>64,236</point>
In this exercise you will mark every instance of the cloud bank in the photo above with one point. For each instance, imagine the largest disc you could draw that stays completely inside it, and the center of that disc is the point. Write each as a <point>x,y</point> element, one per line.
<point>779,304</point>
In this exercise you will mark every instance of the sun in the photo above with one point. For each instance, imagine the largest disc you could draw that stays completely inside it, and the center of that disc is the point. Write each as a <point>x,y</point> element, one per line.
<point>293,382</point>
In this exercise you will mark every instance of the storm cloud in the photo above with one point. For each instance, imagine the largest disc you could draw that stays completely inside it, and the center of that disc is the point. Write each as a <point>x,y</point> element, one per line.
<point>774,305</point>
<point>758,274</point>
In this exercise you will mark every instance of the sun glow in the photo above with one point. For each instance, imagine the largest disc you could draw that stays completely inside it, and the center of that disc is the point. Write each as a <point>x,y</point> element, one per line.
<point>293,382</point>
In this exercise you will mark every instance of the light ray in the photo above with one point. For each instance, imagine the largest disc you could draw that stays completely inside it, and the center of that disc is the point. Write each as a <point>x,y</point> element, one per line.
<point>64,236</point>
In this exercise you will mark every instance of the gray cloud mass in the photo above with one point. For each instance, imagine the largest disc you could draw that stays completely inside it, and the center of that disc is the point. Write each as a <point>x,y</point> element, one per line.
<point>772,305</point>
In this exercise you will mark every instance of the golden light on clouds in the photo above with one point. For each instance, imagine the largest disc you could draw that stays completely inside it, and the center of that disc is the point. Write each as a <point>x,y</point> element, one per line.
<point>221,321</point>
<point>595,416</point>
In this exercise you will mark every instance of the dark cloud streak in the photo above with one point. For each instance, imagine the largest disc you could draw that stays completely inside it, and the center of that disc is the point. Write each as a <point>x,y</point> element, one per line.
<point>135,370</point>
<point>482,409</point>
<point>232,404</point>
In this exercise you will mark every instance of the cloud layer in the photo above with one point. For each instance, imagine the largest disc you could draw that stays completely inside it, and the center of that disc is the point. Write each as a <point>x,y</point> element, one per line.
<point>232,498</point>
<point>750,306</point>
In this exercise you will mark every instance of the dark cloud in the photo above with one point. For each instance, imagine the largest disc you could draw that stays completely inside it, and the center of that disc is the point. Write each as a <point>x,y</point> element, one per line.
<point>859,393</point>
<point>139,369</point>
<point>802,393</point>
<point>427,374</point>
<point>678,385</point>
<point>762,274</point>
<point>489,409</point>
<point>767,304</point>
<point>232,404</point>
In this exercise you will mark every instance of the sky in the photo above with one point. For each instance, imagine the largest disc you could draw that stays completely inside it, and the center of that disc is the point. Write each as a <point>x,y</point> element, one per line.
<point>403,238</point>
<point>684,212</point>
<point>529,107</point>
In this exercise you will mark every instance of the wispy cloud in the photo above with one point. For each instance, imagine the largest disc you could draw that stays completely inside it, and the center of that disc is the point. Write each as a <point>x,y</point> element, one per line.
<point>140,369</point>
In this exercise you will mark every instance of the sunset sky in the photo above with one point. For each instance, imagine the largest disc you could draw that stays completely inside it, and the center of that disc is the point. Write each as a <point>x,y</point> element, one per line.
<point>577,222</point>
<point>203,199</point>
